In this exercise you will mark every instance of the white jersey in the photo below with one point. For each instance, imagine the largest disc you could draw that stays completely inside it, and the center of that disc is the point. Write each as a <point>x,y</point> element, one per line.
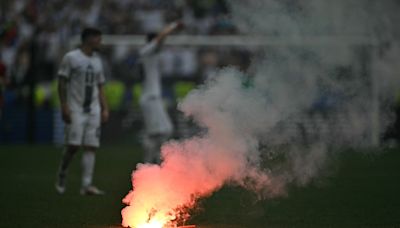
<point>150,60</point>
<point>84,73</point>
<point>156,118</point>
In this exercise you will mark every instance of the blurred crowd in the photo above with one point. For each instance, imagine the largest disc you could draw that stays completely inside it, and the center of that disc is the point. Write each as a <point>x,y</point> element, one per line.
<point>52,24</point>
<point>35,34</point>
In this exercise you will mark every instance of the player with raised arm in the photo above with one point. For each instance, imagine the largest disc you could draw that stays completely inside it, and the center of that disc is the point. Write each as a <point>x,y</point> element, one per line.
<point>83,107</point>
<point>158,125</point>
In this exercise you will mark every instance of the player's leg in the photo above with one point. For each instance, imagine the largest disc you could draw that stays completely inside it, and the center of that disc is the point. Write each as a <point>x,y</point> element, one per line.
<point>88,165</point>
<point>157,124</point>
<point>147,104</point>
<point>73,138</point>
<point>160,140</point>
<point>150,146</point>
<point>68,154</point>
<point>91,143</point>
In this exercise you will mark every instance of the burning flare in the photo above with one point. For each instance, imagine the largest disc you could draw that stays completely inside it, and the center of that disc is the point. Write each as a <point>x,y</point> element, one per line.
<point>162,195</point>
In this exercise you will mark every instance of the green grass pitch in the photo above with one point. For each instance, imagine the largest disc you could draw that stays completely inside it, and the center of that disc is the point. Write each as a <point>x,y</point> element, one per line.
<point>363,190</point>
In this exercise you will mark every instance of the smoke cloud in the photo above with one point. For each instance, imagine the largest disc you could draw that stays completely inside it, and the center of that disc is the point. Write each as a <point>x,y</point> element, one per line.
<point>280,122</point>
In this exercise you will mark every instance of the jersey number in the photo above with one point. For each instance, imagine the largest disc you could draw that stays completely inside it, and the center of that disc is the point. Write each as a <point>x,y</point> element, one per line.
<point>89,79</point>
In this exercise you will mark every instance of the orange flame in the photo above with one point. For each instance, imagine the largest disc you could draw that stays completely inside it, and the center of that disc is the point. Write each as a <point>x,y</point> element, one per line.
<point>152,224</point>
<point>163,195</point>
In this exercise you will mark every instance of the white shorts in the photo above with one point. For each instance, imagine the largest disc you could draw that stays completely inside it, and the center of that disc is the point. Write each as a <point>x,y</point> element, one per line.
<point>156,119</point>
<point>84,130</point>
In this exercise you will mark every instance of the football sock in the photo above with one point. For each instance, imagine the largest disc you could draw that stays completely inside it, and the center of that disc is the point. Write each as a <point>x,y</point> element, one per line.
<point>88,161</point>
<point>65,161</point>
<point>150,149</point>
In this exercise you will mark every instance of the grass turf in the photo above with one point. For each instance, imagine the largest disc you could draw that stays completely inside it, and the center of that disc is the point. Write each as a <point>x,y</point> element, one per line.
<point>362,191</point>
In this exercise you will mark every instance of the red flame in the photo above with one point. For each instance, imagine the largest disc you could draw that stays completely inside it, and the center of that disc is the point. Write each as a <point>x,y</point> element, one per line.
<point>162,195</point>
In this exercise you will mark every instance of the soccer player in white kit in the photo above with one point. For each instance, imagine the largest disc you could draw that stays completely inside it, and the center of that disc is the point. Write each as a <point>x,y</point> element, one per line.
<point>158,125</point>
<point>83,107</point>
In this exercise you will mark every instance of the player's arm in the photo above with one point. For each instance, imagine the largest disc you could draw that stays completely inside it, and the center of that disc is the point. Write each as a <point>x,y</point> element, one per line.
<point>103,104</point>
<point>62,94</point>
<point>150,47</point>
<point>168,30</point>
<point>63,77</point>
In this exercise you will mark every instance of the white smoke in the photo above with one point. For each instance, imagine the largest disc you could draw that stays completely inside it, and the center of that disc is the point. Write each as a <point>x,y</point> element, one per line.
<point>280,122</point>
<point>329,83</point>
